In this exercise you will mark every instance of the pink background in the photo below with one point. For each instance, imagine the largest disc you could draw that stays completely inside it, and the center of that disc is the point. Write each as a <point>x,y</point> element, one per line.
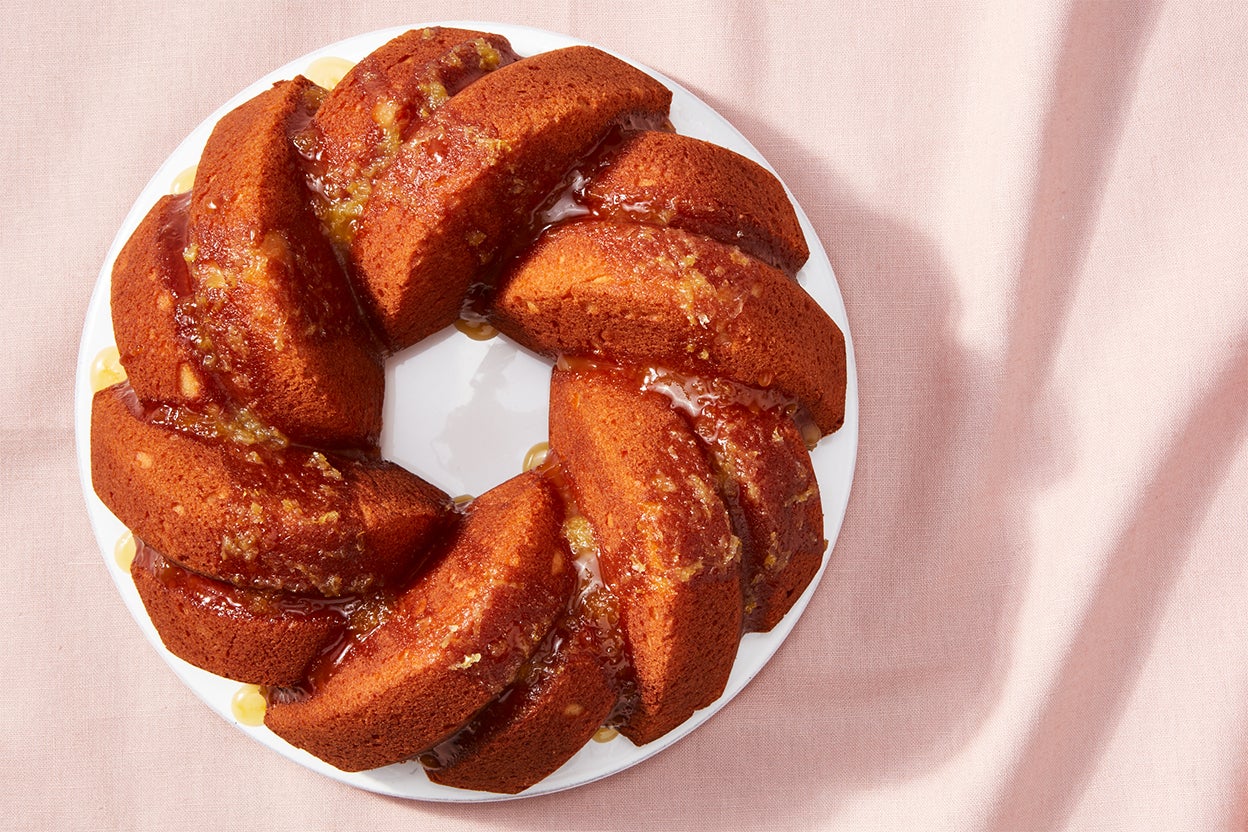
<point>1033,618</point>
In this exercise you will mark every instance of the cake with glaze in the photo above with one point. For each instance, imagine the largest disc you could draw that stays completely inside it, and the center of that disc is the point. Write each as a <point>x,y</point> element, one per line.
<point>256,636</point>
<point>454,640</point>
<point>660,295</point>
<point>608,589</point>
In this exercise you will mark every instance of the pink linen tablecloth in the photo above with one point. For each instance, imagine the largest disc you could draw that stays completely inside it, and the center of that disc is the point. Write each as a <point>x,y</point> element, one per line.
<point>1034,616</point>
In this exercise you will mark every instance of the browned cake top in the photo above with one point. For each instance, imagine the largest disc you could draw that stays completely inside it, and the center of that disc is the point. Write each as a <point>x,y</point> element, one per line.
<point>149,294</point>
<point>664,296</point>
<point>377,106</point>
<point>237,507</point>
<point>769,485</point>
<point>666,545</point>
<point>467,182</point>
<point>669,179</point>
<point>541,722</point>
<point>259,637</point>
<point>455,639</point>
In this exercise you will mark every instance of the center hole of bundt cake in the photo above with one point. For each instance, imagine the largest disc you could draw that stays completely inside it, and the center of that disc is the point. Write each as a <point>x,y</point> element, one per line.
<point>463,413</point>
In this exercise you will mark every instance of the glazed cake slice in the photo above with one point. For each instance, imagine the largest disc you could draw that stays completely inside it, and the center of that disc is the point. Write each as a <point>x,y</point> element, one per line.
<point>149,288</point>
<point>263,638</point>
<point>273,313</point>
<point>668,179</point>
<point>470,178</point>
<point>224,500</point>
<point>379,103</point>
<point>536,727</point>
<point>769,485</point>
<point>666,545</point>
<point>647,295</point>
<point>456,638</point>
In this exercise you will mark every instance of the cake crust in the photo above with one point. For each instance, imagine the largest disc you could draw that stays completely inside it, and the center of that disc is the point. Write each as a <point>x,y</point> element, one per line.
<point>769,485</point>
<point>148,295</point>
<point>673,180</point>
<point>273,313</point>
<point>376,107</point>
<point>469,179</point>
<point>545,719</point>
<point>261,638</point>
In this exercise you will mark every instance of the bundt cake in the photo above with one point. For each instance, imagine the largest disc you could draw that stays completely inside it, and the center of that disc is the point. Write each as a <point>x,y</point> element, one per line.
<point>608,588</point>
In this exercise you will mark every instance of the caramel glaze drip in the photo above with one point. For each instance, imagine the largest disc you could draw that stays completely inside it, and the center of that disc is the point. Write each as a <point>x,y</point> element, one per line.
<point>594,604</point>
<point>563,204</point>
<point>689,395</point>
<point>224,597</point>
<point>185,305</point>
<point>339,195</point>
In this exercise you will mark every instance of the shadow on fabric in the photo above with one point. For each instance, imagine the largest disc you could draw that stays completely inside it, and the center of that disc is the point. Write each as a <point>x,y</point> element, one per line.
<point>899,657</point>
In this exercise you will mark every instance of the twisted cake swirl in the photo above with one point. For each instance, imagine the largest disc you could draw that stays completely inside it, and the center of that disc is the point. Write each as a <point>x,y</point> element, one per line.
<point>445,177</point>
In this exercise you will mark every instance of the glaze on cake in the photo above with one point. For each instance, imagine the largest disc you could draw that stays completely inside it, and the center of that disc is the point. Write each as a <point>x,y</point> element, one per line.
<point>609,587</point>
<point>669,179</point>
<point>453,195</point>
<point>665,542</point>
<point>255,636</point>
<point>659,295</point>
<point>455,639</point>
<point>237,505</point>
<point>273,317</point>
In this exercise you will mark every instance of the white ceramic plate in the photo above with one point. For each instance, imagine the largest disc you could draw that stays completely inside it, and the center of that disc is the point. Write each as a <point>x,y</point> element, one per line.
<point>462,414</point>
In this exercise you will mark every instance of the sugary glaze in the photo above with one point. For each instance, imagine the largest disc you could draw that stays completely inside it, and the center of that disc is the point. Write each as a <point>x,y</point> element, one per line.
<point>106,369</point>
<point>244,509</point>
<point>248,705</point>
<point>150,283</point>
<point>605,589</point>
<point>376,108</point>
<point>265,638</point>
<point>666,545</point>
<point>769,486</point>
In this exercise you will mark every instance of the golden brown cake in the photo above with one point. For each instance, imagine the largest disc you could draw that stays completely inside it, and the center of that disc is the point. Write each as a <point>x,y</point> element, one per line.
<point>607,589</point>
<point>265,638</point>
<point>555,707</point>
<point>769,486</point>
<point>273,314</point>
<point>455,639</point>
<point>224,500</point>
<point>669,179</point>
<point>456,193</point>
<point>149,288</point>
<point>667,297</point>
<point>665,541</point>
